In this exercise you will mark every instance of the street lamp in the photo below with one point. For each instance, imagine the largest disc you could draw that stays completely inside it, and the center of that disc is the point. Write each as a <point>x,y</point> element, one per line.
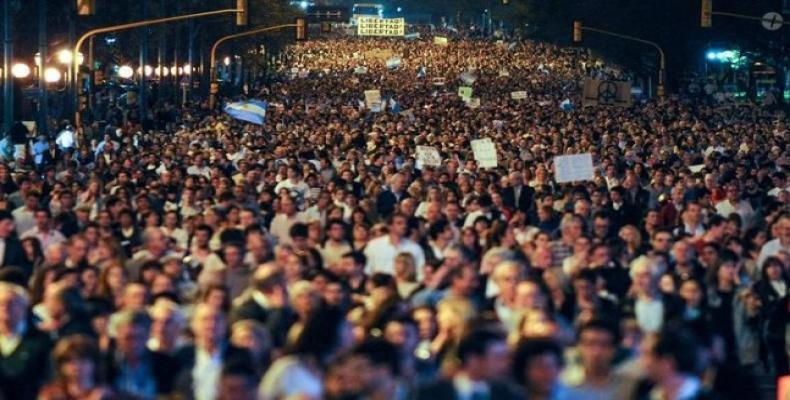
<point>20,70</point>
<point>66,57</point>
<point>125,72</point>
<point>226,61</point>
<point>51,75</point>
<point>187,69</point>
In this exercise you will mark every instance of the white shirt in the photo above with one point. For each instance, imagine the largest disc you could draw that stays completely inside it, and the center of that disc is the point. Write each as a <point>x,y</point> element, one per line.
<point>24,219</point>
<point>206,374</point>
<point>299,187</point>
<point>65,139</point>
<point>46,238</point>
<point>649,315</point>
<point>381,253</point>
<point>725,208</point>
<point>281,226</point>
<point>289,378</point>
<point>9,343</point>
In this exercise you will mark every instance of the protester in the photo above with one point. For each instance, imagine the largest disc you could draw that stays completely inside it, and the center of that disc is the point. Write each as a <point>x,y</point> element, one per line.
<point>301,249</point>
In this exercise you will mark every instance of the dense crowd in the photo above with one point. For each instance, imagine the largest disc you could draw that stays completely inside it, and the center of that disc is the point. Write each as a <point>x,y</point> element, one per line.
<point>313,257</point>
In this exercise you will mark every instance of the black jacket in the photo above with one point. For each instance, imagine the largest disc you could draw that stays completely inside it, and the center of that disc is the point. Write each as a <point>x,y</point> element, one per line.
<point>24,371</point>
<point>14,255</point>
<point>445,390</point>
<point>183,385</point>
<point>162,367</point>
<point>387,203</point>
<point>525,201</point>
<point>276,320</point>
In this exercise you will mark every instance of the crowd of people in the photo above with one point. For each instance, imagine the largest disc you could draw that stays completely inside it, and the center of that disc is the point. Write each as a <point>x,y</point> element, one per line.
<point>315,257</point>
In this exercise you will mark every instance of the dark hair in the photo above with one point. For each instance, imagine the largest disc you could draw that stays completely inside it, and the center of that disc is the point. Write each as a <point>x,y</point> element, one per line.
<point>531,349</point>
<point>715,220</point>
<point>599,324</point>
<point>380,353</point>
<point>298,230</point>
<point>4,215</point>
<point>477,342</point>
<point>358,256</point>
<point>205,228</point>
<point>681,345</point>
<point>320,336</point>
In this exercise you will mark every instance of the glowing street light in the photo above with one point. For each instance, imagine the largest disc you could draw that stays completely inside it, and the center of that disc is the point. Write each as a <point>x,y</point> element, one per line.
<point>125,72</point>
<point>52,75</point>
<point>173,70</point>
<point>65,57</point>
<point>20,70</point>
<point>187,69</point>
<point>226,61</point>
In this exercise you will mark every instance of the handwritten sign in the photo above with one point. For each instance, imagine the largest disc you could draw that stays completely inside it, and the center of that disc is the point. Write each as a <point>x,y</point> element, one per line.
<point>373,99</point>
<point>485,153</point>
<point>440,41</point>
<point>361,70</point>
<point>439,81</point>
<point>518,95</point>
<point>428,156</point>
<point>696,168</point>
<point>373,26</point>
<point>573,168</point>
<point>394,62</point>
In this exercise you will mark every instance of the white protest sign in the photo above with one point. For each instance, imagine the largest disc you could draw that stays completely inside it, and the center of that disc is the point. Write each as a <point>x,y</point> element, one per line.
<point>438,81</point>
<point>485,153</point>
<point>374,26</point>
<point>503,73</point>
<point>439,40</point>
<point>394,62</point>
<point>696,168</point>
<point>518,95</point>
<point>473,103</point>
<point>361,70</point>
<point>573,168</point>
<point>428,156</point>
<point>373,99</point>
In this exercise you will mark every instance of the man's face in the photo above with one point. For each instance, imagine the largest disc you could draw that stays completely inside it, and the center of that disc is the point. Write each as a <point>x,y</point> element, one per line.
<point>42,220</point>
<point>662,242</point>
<point>12,310</point>
<point>542,372</point>
<point>6,227</point>
<point>596,347</point>
<point>336,232</point>
<point>31,202</point>
<point>235,387</point>
<point>131,339</point>
<point>399,226</point>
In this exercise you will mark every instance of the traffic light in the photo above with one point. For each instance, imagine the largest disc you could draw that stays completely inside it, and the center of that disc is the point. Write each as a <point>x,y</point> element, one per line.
<point>241,14</point>
<point>301,29</point>
<point>86,7</point>
<point>326,27</point>
<point>577,31</point>
<point>706,15</point>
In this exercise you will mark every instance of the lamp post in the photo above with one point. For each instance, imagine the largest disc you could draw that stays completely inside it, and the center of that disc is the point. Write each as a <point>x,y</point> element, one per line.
<point>8,83</point>
<point>43,95</point>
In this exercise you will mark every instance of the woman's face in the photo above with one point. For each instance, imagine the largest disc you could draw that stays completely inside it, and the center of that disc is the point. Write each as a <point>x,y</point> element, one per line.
<point>29,249</point>
<point>77,370</point>
<point>773,271</point>
<point>116,279</point>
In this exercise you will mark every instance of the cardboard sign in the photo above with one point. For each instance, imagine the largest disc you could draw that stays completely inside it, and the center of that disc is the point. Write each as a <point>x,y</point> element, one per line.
<point>473,103</point>
<point>361,70</point>
<point>503,73</point>
<point>519,95</point>
<point>440,41</point>
<point>485,153</point>
<point>428,156</point>
<point>379,54</point>
<point>465,92</point>
<point>573,168</point>
<point>438,81</point>
<point>373,99</point>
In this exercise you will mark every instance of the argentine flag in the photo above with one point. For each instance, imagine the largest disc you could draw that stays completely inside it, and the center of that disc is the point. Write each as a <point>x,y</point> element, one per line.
<point>253,111</point>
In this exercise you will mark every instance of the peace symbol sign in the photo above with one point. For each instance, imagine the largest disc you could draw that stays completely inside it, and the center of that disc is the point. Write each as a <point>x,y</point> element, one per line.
<point>607,92</point>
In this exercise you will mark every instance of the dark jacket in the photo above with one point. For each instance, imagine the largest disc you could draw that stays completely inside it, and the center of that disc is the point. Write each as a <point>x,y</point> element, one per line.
<point>161,365</point>
<point>387,202</point>
<point>445,390</point>
<point>525,201</point>
<point>276,320</point>
<point>14,255</point>
<point>24,371</point>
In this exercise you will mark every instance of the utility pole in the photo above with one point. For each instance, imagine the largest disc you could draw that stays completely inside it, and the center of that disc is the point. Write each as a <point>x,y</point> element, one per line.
<point>43,96</point>
<point>8,82</point>
<point>141,97</point>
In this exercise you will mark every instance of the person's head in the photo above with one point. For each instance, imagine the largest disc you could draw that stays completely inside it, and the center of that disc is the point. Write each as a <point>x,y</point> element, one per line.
<point>253,336</point>
<point>237,382</point>
<point>644,276</point>
<point>399,225</point>
<point>132,329</point>
<point>14,301</point>
<point>155,241</point>
<point>662,241</point>
<point>7,225</point>
<point>209,325</point>
<point>425,317</point>
<point>483,354</point>
<point>376,364</point>
<point>598,340</point>
<point>537,364</point>
<point>43,219</point>
<point>507,275</point>
<point>672,352</point>
<point>773,270</point>
<point>324,334</point>
<point>351,264</point>
<point>336,230</point>
<point>463,280</point>
<point>76,359</point>
<point>405,267</point>
<point>167,320</point>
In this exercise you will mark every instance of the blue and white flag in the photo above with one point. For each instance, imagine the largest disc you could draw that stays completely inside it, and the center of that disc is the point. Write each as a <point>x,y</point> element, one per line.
<point>253,111</point>
<point>566,105</point>
<point>421,72</point>
<point>394,62</point>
